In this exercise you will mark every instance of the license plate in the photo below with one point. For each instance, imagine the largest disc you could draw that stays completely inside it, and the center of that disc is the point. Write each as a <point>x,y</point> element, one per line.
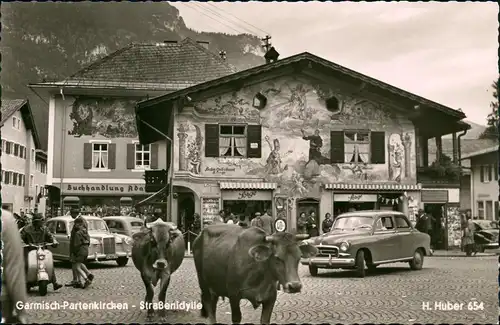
<point>111,257</point>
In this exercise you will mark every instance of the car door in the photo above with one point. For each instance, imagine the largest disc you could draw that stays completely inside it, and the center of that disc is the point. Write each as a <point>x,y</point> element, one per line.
<point>120,227</point>
<point>405,236</point>
<point>385,241</point>
<point>51,225</point>
<point>62,237</point>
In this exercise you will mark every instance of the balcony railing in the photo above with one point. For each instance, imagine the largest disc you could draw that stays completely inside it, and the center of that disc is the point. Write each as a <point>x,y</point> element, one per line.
<point>439,176</point>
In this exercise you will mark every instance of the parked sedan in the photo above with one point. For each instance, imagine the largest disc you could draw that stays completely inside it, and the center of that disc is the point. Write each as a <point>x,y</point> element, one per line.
<point>124,225</point>
<point>486,234</point>
<point>104,246</point>
<point>365,239</point>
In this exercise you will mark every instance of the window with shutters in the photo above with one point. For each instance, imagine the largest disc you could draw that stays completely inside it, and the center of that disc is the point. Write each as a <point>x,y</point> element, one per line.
<point>486,173</point>
<point>100,155</point>
<point>7,177</point>
<point>8,147</point>
<point>480,209</point>
<point>32,180</point>
<point>357,147</point>
<point>16,149</point>
<point>14,179</point>
<point>232,141</point>
<point>22,152</point>
<point>33,157</point>
<point>142,156</point>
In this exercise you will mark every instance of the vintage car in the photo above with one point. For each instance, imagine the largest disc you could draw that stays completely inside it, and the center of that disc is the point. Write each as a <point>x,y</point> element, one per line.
<point>365,239</point>
<point>124,225</point>
<point>486,234</point>
<point>104,245</point>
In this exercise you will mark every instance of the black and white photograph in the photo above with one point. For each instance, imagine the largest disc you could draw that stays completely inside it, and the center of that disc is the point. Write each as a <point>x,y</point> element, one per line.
<point>250,162</point>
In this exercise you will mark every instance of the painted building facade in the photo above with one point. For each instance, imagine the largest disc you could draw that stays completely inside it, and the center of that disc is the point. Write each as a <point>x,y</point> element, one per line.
<point>22,185</point>
<point>296,143</point>
<point>484,183</point>
<point>94,160</point>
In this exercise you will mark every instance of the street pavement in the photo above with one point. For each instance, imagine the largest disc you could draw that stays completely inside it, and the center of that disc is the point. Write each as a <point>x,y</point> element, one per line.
<point>392,294</point>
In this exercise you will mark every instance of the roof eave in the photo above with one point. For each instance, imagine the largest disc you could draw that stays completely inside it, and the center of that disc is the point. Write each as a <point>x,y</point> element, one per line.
<point>480,152</point>
<point>29,114</point>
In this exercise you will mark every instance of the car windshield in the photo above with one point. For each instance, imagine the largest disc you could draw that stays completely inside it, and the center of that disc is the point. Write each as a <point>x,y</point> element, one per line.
<point>136,224</point>
<point>352,223</point>
<point>94,225</point>
<point>487,224</point>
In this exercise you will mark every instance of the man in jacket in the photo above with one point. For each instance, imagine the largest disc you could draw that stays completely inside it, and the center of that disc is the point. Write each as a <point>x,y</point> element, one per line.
<point>75,213</point>
<point>267,222</point>
<point>37,233</point>
<point>13,275</point>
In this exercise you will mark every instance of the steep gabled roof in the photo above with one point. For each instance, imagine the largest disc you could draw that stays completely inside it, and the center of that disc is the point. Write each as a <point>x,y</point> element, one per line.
<point>159,66</point>
<point>11,106</point>
<point>307,57</point>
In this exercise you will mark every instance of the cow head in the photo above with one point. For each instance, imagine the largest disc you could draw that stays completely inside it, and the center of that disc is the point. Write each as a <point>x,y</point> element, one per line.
<point>283,252</point>
<point>161,235</point>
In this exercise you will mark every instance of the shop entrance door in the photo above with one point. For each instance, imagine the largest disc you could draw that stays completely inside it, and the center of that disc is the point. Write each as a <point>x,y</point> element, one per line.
<point>438,236</point>
<point>307,206</point>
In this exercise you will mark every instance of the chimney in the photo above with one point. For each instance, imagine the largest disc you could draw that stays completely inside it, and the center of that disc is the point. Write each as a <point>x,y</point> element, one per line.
<point>204,44</point>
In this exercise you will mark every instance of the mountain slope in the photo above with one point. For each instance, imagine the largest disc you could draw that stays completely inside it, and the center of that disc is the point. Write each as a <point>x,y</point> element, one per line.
<point>54,40</point>
<point>474,133</point>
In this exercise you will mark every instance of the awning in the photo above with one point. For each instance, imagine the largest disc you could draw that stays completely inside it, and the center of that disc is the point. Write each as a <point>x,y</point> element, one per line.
<point>374,187</point>
<point>151,197</point>
<point>125,199</point>
<point>150,120</point>
<point>71,199</point>
<point>248,186</point>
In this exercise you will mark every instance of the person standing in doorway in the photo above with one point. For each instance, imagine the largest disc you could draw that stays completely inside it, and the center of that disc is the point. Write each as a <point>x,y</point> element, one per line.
<point>327,223</point>
<point>302,222</point>
<point>312,228</point>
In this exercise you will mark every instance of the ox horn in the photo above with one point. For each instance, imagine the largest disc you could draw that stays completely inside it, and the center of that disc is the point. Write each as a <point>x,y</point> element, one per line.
<point>301,236</point>
<point>269,239</point>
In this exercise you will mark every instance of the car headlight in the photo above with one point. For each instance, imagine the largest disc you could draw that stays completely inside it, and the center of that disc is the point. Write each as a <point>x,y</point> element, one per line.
<point>128,240</point>
<point>344,246</point>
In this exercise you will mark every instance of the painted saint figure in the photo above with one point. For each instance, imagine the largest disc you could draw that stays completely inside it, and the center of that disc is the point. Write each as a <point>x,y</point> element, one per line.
<point>273,162</point>
<point>315,145</point>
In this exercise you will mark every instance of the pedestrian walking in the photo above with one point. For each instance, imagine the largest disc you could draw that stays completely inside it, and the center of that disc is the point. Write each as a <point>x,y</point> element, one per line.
<point>75,214</point>
<point>267,222</point>
<point>81,243</point>
<point>327,224</point>
<point>257,221</point>
<point>468,237</point>
<point>13,273</point>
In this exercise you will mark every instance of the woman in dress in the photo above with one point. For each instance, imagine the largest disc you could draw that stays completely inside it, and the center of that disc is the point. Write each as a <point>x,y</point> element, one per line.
<point>80,249</point>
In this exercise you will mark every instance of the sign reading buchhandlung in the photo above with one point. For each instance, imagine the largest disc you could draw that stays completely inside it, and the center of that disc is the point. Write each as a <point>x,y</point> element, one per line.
<point>103,189</point>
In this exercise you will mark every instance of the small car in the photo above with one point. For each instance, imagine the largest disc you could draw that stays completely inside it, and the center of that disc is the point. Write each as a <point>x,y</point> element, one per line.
<point>104,245</point>
<point>365,239</point>
<point>124,225</point>
<point>486,234</point>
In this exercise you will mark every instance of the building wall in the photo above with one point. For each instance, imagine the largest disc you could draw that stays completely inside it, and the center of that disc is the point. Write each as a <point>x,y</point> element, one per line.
<point>40,182</point>
<point>13,195</point>
<point>280,154</point>
<point>485,189</point>
<point>465,192</point>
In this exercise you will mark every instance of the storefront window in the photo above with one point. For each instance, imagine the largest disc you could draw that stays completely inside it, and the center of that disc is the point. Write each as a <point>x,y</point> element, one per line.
<point>246,208</point>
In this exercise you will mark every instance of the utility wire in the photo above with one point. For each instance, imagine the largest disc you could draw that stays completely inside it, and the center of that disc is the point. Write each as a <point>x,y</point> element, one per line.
<point>205,14</point>
<point>265,32</point>
<point>214,11</point>
<point>216,29</point>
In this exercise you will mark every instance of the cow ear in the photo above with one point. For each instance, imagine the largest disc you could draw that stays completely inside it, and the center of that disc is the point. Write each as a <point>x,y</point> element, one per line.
<point>260,253</point>
<point>308,251</point>
<point>175,232</point>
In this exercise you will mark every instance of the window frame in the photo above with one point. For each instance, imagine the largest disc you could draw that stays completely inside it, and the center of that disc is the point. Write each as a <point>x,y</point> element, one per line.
<point>232,145</point>
<point>408,223</point>
<point>32,180</point>
<point>142,152</point>
<point>100,142</point>
<point>16,123</point>
<point>488,209</point>
<point>480,210</point>
<point>33,155</point>
<point>355,142</point>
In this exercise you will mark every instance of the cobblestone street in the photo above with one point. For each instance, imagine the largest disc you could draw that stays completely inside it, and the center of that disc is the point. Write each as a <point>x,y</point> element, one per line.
<point>393,294</point>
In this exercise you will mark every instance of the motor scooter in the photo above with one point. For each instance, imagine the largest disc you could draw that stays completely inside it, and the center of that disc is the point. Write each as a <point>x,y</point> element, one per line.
<point>39,267</point>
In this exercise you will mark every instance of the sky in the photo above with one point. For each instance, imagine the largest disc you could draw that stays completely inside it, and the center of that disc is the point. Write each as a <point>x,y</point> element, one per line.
<point>445,52</point>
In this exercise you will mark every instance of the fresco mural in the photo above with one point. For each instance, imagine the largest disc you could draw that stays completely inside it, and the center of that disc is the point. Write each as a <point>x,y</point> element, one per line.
<point>109,118</point>
<point>296,126</point>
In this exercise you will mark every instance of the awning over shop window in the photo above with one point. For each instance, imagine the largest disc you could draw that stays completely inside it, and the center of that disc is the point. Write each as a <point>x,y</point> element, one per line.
<point>374,187</point>
<point>126,199</point>
<point>71,199</point>
<point>152,197</point>
<point>248,186</point>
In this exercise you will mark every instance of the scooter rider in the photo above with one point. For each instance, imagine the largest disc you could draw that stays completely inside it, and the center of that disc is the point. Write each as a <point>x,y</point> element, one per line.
<point>37,233</point>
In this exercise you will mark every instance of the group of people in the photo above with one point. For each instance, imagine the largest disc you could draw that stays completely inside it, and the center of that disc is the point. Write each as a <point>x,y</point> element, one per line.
<point>264,221</point>
<point>306,224</point>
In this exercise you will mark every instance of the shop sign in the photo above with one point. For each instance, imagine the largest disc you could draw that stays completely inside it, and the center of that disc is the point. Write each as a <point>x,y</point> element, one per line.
<point>280,225</point>
<point>247,195</point>
<point>103,189</point>
<point>210,208</point>
<point>355,197</point>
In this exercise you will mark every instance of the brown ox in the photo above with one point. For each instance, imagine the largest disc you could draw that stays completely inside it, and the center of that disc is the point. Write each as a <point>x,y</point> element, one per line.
<point>246,264</point>
<point>158,251</point>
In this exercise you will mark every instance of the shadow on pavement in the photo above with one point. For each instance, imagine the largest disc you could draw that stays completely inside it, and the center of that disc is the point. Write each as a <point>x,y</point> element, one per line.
<point>377,271</point>
<point>91,265</point>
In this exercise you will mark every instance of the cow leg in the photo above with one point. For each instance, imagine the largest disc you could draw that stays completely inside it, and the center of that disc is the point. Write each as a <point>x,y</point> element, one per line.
<point>235,310</point>
<point>209,302</point>
<point>164,282</point>
<point>267,309</point>
<point>146,278</point>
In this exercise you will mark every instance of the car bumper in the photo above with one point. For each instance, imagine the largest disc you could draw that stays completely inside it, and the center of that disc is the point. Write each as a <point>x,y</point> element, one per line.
<point>325,262</point>
<point>491,246</point>
<point>108,257</point>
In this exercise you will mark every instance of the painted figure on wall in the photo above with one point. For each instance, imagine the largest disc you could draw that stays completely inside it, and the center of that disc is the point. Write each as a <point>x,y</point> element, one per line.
<point>190,148</point>
<point>110,118</point>
<point>273,162</point>
<point>396,157</point>
<point>194,152</point>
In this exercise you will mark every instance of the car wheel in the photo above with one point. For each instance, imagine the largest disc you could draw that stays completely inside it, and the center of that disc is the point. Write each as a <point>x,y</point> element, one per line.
<point>372,267</point>
<point>360,264</point>
<point>122,261</point>
<point>418,260</point>
<point>313,270</point>
<point>42,287</point>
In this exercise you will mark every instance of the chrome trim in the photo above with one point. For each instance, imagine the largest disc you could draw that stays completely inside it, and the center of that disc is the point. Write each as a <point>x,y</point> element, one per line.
<point>328,261</point>
<point>404,259</point>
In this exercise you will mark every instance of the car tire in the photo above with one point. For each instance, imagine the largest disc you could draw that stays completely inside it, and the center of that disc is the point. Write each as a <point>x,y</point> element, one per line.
<point>417,261</point>
<point>372,267</point>
<point>122,261</point>
<point>313,270</point>
<point>360,264</point>
<point>42,287</point>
